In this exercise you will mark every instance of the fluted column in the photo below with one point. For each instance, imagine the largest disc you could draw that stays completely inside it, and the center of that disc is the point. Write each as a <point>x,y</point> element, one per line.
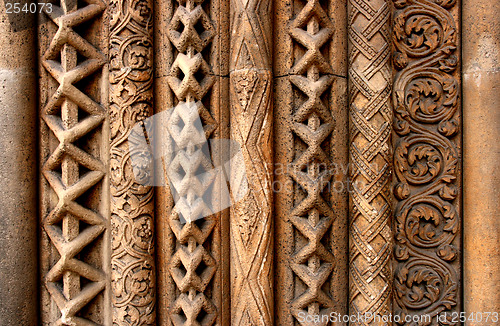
<point>18,169</point>
<point>481,119</point>
<point>370,233</point>
<point>251,126</point>
<point>132,217</point>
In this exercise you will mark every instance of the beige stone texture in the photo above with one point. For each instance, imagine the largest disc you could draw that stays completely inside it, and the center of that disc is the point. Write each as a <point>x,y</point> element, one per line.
<point>481,194</point>
<point>18,170</point>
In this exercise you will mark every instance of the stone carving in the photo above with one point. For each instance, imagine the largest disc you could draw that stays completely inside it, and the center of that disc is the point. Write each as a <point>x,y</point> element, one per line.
<point>192,245</point>
<point>304,132</point>
<point>370,235</point>
<point>130,94</point>
<point>74,169</point>
<point>251,126</point>
<point>426,158</point>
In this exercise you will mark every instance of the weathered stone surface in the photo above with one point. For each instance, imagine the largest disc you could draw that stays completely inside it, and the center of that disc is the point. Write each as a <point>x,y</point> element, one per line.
<point>251,232</point>
<point>73,106</point>
<point>132,217</point>
<point>427,154</point>
<point>18,173</point>
<point>310,155</point>
<point>481,119</point>
<point>370,111</point>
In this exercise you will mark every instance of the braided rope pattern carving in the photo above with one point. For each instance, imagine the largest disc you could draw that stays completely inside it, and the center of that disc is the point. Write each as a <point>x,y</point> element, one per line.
<point>251,125</point>
<point>370,118</point>
<point>192,266</point>
<point>71,225</point>
<point>130,80</point>
<point>311,123</point>
<point>426,158</point>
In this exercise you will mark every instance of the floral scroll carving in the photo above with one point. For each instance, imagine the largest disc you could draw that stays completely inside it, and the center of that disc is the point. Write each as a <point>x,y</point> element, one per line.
<point>130,81</point>
<point>426,158</point>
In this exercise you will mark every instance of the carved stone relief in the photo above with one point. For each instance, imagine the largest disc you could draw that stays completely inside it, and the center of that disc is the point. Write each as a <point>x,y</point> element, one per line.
<point>370,235</point>
<point>131,102</point>
<point>426,158</point>
<point>251,126</point>
<point>74,254</point>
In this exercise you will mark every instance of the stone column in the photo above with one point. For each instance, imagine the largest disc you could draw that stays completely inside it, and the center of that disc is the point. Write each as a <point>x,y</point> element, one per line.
<point>251,126</point>
<point>132,216</point>
<point>370,233</point>
<point>18,220</point>
<point>427,149</point>
<point>481,118</point>
<point>310,144</point>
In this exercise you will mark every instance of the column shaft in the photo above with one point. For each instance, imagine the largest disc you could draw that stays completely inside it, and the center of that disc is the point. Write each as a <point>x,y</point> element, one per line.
<point>481,118</point>
<point>251,218</point>
<point>18,169</point>
<point>427,153</point>
<point>132,206</point>
<point>370,233</point>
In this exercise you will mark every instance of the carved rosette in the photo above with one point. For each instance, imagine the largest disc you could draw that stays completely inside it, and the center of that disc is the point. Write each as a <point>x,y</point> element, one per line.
<point>73,258</point>
<point>251,126</point>
<point>193,265</point>
<point>426,158</point>
<point>130,94</point>
<point>370,234</point>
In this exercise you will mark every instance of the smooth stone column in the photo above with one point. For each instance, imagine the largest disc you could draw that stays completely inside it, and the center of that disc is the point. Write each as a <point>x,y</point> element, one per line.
<point>481,169</point>
<point>18,167</point>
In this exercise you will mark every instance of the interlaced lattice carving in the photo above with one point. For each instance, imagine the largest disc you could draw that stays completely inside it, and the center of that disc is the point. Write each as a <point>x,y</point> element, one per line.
<point>71,170</point>
<point>371,118</point>
<point>426,159</point>
<point>192,266</point>
<point>251,126</point>
<point>311,124</point>
<point>131,102</point>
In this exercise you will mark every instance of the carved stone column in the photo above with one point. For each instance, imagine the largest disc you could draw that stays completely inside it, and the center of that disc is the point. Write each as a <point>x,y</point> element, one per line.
<point>481,101</point>
<point>191,75</point>
<point>370,234</point>
<point>310,159</point>
<point>132,218</point>
<point>251,126</point>
<point>74,157</point>
<point>18,169</point>
<point>427,158</point>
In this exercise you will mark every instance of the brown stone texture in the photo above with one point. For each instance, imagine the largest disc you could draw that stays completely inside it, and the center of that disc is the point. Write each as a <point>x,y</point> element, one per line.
<point>250,86</point>
<point>310,155</point>
<point>191,52</point>
<point>131,102</point>
<point>481,119</point>
<point>18,173</point>
<point>74,192</point>
<point>427,154</point>
<point>370,111</point>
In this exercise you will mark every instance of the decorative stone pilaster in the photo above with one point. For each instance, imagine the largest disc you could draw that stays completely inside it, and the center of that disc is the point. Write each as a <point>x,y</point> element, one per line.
<point>251,126</point>
<point>370,233</point>
<point>310,151</point>
<point>427,126</point>
<point>132,216</point>
<point>74,164</point>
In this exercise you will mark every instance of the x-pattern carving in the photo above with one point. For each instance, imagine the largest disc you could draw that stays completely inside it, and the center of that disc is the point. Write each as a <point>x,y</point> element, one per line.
<point>61,116</point>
